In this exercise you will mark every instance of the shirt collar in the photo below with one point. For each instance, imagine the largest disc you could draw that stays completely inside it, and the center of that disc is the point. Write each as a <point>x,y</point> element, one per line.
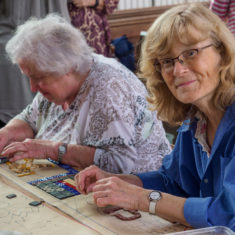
<point>189,124</point>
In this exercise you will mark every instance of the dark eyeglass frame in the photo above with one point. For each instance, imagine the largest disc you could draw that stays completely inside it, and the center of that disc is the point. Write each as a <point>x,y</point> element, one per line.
<point>185,54</point>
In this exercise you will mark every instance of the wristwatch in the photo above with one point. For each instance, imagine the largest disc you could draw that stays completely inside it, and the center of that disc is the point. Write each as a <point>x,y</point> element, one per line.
<point>62,151</point>
<point>154,196</point>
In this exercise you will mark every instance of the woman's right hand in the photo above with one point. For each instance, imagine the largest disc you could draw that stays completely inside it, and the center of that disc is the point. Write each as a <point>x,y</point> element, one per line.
<point>85,180</point>
<point>110,189</point>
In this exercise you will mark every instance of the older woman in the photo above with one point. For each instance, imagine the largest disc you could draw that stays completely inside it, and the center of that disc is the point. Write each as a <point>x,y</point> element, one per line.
<point>89,109</point>
<point>188,58</point>
<point>15,94</point>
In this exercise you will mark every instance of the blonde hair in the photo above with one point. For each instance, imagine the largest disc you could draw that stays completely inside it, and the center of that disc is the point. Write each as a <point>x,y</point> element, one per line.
<point>180,23</point>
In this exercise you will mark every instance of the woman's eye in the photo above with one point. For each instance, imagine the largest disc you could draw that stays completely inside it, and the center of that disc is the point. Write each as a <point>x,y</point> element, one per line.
<point>166,62</point>
<point>190,53</point>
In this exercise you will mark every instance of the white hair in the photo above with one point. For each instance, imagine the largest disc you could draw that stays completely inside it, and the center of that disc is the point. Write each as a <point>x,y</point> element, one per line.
<point>51,44</point>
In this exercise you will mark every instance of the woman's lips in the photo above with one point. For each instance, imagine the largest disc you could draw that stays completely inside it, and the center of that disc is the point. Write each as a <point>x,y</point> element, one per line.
<point>185,83</point>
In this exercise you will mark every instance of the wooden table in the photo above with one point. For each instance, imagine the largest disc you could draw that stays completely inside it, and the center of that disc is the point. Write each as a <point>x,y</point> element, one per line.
<point>74,215</point>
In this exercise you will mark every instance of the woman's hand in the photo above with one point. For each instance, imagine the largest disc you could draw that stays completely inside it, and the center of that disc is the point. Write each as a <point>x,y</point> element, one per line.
<point>30,148</point>
<point>110,189</point>
<point>86,179</point>
<point>115,191</point>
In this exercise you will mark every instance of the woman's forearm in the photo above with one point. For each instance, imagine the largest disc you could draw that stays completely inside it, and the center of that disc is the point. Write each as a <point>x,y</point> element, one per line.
<point>171,208</point>
<point>17,130</point>
<point>77,155</point>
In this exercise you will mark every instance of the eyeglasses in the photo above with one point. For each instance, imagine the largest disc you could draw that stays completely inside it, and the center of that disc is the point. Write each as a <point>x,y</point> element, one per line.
<point>186,58</point>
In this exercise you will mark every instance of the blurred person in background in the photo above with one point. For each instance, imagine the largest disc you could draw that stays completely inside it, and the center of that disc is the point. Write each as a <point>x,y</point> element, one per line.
<point>225,9</point>
<point>90,17</point>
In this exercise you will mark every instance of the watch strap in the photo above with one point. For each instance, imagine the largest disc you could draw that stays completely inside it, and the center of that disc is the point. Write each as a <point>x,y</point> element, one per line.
<point>152,207</point>
<point>60,153</point>
<point>154,197</point>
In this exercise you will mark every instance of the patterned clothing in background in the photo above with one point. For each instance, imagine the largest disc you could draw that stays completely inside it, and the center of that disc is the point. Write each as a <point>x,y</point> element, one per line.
<point>225,9</point>
<point>110,113</point>
<point>94,25</point>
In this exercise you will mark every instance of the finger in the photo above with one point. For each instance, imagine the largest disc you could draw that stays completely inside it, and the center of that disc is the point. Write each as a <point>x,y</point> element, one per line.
<point>13,148</point>
<point>6,148</point>
<point>89,184</point>
<point>78,185</point>
<point>120,199</point>
<point>86,177</point>
<point>2,146</point>
<point>101,198</point>
<point>80,181</point>
<point>19,156</point>
<point>92,182</point>
<point>111,183</point>
<point>105,201</point>
<point>101,186</point>
<point>105,198</point>
<point>12,144</point>
<point>90,187</point>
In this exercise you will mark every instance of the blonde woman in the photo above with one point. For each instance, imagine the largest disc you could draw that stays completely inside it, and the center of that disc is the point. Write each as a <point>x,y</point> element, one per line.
<point>188,60</point>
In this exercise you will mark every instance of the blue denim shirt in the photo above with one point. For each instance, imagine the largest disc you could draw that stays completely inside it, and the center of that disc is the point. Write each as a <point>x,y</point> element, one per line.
<point>207,183</point>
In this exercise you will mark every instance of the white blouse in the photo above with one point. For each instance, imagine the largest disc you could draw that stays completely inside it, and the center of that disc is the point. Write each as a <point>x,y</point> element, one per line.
<point>110,113</point>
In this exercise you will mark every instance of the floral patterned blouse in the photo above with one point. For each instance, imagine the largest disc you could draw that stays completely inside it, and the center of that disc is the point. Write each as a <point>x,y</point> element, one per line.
<point>201,134</point>
<point>94,25</point>
<point>110,113</point>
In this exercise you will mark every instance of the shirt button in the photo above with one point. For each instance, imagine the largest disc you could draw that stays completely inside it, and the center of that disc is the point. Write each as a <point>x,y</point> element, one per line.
<point>206,181</point>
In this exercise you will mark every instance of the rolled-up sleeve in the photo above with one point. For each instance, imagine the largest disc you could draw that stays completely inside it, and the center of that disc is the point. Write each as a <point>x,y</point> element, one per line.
<point>216,210</point>
<point>195,211</point>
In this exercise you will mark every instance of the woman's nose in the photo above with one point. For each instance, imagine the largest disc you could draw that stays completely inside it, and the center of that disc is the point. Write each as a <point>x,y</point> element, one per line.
<point>179,67</point>
<point>33,85</point>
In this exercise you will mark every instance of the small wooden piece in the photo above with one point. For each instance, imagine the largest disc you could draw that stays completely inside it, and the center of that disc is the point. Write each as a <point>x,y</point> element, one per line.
<point>111,210</point>
<point>25,167</point>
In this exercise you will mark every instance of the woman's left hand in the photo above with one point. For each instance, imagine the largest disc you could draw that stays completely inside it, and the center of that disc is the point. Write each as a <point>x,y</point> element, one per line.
<point>117,192</point>
<point>30,148</point>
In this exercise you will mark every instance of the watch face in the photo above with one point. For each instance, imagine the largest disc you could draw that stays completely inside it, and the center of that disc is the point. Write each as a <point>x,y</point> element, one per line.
<point>62,149</point>
<point>155,195</point>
